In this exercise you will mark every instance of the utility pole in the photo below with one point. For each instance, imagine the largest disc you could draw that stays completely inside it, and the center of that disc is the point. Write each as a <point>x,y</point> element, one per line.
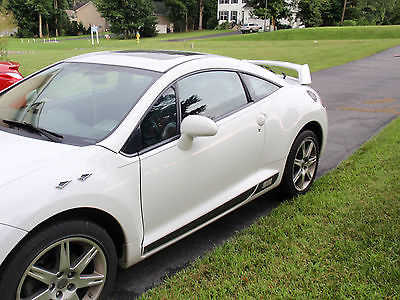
<point>265,16</point>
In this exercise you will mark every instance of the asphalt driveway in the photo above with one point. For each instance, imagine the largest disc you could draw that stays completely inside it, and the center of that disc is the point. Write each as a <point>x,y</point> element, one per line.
<point>361,97</point>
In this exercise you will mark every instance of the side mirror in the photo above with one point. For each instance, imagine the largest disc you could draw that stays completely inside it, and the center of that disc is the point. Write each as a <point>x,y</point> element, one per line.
<point>194,126</point>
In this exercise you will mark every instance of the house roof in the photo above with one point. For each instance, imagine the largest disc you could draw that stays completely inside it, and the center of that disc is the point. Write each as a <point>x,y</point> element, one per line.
<point>80,4</point>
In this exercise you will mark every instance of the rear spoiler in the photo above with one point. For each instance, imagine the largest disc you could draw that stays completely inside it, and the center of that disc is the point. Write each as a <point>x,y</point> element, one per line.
<point>302,70</point>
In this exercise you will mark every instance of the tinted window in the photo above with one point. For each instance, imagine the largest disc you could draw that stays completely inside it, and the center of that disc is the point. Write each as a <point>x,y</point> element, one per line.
<point>160,122</point>
<point>259,88</point>
<point>211,94</point>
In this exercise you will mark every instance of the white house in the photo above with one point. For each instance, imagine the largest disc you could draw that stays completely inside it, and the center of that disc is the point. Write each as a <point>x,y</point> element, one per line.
<point>239,12</point>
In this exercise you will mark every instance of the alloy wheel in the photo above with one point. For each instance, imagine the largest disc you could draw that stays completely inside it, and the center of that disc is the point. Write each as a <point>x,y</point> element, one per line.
<point>305,164</point>
<point>72,268</point>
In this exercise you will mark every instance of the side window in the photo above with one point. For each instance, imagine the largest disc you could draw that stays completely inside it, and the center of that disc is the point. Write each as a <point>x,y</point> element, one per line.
<point>160,122</point>
<point>211,94</point>
<point>259,88</point>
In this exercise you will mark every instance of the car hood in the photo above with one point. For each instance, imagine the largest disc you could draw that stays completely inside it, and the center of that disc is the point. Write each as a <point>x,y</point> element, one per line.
<point>20,156</point>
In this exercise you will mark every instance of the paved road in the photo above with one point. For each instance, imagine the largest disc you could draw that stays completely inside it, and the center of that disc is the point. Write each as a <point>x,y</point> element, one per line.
<point>204,36</point>
<point>362,97</point>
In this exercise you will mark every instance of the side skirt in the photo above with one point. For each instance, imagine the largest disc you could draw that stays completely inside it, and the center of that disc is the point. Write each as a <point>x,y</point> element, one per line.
<point>212,214</point>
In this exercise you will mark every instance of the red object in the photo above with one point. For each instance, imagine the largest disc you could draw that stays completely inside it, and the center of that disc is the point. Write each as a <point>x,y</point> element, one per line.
<point>397,55</point>
<point>9,74</point>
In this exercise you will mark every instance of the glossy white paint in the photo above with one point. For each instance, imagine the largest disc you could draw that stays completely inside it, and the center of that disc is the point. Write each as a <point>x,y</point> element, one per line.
<point>9,238</point>
<point>156,193</point>
<point>181,186</point>
<point>303,71</point>
<point>195,126</point>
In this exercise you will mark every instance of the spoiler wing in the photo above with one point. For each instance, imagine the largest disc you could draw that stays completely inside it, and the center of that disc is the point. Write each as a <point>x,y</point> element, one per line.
<point>303,71</point>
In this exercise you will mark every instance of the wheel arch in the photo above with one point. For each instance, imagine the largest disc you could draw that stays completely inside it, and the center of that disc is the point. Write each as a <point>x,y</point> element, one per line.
<point>317,129</point>
<point>97,216</point>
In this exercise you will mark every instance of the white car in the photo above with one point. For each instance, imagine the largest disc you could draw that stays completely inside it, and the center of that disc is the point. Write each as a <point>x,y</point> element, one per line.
<point>250,28</point>
<point>110,157</point>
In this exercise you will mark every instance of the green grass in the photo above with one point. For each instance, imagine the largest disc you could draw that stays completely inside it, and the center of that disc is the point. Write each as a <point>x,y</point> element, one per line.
<point>320,55</point>
<point>325,33</point>
<point>341,240</point>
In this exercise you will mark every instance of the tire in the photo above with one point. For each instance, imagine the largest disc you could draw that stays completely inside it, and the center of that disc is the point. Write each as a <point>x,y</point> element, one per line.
<point>251,30</point>
<point>301,165</point>
<point>50,262</point>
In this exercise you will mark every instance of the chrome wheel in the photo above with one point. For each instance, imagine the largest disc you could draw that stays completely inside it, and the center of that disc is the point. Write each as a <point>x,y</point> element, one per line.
<point>305,164</point>
<point>71,268</point>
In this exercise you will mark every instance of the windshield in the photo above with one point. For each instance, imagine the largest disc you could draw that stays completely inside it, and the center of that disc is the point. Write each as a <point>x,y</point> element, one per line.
<point>81,102</point>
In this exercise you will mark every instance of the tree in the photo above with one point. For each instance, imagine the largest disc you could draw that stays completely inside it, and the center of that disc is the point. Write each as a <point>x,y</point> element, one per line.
<point>313,12</point>
<point>127,16</point>
<point>178,14</point>
<point>42,8</point>
<point>201,9</point>
<point>276,10</point>
<point>25,17</point>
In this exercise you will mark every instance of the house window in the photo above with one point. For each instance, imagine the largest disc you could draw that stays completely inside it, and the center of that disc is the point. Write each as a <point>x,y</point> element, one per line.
<point>234,1</point>
<point>234,16</point>
<point>223,15</point>
<point>223,1</point>
<point>244,1</point>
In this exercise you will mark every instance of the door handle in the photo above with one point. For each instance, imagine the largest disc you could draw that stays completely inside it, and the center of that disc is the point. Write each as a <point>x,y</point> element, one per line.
<point>261,119</point>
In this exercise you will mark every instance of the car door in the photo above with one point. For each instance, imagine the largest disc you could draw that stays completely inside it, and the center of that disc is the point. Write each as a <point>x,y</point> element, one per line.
<point>183,189</point>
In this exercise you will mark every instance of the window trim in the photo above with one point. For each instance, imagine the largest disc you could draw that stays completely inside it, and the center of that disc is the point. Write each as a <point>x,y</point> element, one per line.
<point>256,99</point>
<point>173,84</point>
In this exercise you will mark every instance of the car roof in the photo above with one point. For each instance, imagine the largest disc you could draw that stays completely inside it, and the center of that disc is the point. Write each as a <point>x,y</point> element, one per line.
<point>159,60</point>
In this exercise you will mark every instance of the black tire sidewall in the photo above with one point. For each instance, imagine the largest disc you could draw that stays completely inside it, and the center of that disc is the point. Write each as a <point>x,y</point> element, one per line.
<point>39,239</point>
<point>287,186</point>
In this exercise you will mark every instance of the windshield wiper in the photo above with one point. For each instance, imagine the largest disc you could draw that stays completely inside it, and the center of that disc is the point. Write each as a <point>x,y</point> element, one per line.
<point>47,133</point>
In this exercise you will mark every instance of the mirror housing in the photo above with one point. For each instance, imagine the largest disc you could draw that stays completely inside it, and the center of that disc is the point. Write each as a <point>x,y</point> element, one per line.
<point>195,126</point>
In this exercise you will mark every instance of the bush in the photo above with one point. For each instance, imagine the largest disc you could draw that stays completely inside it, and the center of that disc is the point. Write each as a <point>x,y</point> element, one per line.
<point>149,28</point>
<point>349,23</point>
<point>224,26</point>
<point>76,29</point>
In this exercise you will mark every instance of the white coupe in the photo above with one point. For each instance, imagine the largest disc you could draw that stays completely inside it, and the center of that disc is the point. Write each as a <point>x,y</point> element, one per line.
<point>109,157</point>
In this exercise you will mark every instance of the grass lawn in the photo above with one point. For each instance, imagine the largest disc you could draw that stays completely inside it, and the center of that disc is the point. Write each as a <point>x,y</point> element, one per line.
<point>341,240</point>
<point>326,33</point>
<point>319,54</point>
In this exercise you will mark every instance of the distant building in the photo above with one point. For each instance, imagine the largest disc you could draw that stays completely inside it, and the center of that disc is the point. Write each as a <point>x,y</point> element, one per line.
<point>87,13</point>
<point>161,13</point>
<point>239,12</point>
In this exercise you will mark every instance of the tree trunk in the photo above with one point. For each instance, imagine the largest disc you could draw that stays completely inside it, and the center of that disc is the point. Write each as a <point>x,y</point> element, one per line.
<point>40,26</point>
<point>47,28</point>
<point>186,22</point>
<point>343,13</point>
<point>56,10</point>
<point>201,9</point>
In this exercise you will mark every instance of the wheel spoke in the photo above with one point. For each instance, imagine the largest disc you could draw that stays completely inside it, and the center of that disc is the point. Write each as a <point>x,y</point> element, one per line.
<point>309,174</point>
<point>297,176</point>
<point>85,260</point>
<point>74,297</point>
<point>89,280</point>
<point>45,295</point>
<point>303,150</point>
<point>42,275</point>
<point>65,261</point>
<point>309,150</point>
<point>311,162</point>
<point>298,162</point>
<point>302,180</point>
